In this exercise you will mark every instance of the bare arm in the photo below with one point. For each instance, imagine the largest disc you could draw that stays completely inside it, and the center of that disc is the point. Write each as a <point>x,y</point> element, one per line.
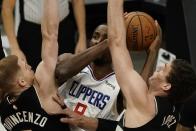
<point>72,118</point>
<point>182,128</point>
<point>49,54</point>
<point>132,84</point>
<point>152,55</point>
<point>2,55</point>
<point>80,16</point>
<point>8,23</point>
<point>66,66</point>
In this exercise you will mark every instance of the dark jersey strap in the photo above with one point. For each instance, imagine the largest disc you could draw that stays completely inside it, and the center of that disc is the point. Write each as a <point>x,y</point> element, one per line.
<point>106,125</point>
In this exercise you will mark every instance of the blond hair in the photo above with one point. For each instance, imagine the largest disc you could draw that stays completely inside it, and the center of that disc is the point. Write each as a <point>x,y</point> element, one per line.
<point>8,70</point>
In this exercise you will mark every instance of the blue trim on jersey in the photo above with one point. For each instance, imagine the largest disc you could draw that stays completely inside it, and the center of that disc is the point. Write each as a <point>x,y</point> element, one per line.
<point>91,71</point>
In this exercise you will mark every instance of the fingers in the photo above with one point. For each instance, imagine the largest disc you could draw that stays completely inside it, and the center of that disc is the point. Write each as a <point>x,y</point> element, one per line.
<point>72,117</point>
<point>159,30</point>
<point>69,121</point>
<point>126,15</point>
<point>64,120</point>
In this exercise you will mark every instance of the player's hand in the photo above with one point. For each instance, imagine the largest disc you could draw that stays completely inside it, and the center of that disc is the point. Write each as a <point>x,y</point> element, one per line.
<point>68,116</point>
<point>19,54</point>
<point>154,47</point>
<point>126,14</point>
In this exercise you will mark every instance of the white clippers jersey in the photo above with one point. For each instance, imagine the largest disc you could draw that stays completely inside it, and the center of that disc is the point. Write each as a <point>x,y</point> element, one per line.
<point>90,97</point>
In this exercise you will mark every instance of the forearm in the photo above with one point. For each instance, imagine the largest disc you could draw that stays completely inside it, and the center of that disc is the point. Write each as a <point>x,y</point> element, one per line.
<point>49,26</point>
<point>69,67</point>
<point>88,123</point>
<point>80,16</point>
<point>149,65</point>
<point>117,33</point>
<point>116,27</point>
<point>8,22</point>
<point>2,55</point>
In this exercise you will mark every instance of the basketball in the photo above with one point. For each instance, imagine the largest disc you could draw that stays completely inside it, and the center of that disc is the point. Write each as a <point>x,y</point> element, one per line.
<point>141,30</point>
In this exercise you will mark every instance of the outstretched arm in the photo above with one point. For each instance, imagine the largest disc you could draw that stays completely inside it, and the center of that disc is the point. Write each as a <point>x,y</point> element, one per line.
<point>152,54</point>
<point>1,56</point>
<point>86,123</point>
<point>70,64</point>
<point>8,23</point>
<point>80,17</point>
<point>49,54</point>
<point>132,84</point>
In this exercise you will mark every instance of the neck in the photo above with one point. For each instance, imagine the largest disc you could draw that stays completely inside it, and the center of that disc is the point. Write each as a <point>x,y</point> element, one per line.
<point>101,71</point>
<point>155,92</point>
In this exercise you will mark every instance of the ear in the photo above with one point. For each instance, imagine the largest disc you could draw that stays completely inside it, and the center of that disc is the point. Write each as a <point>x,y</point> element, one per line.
<point>22,83</point>
<point>166,86</point>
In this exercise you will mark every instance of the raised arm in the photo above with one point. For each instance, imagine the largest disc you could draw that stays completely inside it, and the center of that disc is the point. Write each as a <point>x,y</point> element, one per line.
<point>1,56</point>
<point>132,84</point>
<point>152,55</point>
<point>49,27</point>
<point>80,17</point>
<point>66,66</point>
<point>8,23</point>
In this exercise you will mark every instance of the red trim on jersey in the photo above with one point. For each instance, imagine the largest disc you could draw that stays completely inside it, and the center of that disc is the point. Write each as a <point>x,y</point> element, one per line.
<point>80,108</point>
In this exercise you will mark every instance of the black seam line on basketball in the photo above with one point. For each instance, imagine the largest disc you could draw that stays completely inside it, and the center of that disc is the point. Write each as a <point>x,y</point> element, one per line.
<point>141,31</point>
<point>155,33</point>
<point>131,32</point>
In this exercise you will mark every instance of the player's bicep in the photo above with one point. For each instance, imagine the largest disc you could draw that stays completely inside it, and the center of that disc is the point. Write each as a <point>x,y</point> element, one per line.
<point>134,89</point>
<point>45,80</point>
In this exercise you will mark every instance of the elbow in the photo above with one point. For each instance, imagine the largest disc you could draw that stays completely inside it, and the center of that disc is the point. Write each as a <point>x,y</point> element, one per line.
<point>61,74</point>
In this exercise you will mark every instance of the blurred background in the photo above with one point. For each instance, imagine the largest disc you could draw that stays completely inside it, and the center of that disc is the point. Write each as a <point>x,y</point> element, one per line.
<point>176,17</point>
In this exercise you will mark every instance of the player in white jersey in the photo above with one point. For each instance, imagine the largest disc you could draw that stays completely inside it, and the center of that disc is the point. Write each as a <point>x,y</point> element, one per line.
<point>91,97</point>
<point>93,92</point>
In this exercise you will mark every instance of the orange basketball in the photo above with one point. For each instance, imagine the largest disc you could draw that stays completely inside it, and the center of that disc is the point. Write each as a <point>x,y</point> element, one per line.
<point>141,30</point>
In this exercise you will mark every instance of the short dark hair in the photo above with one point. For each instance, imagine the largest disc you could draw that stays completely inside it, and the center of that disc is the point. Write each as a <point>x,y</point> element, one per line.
<point>183,81</point>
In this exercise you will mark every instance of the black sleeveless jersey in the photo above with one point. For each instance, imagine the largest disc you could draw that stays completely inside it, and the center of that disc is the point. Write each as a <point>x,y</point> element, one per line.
<point>166,119</point>
<point>188,112</point>
<point>26,113</point>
